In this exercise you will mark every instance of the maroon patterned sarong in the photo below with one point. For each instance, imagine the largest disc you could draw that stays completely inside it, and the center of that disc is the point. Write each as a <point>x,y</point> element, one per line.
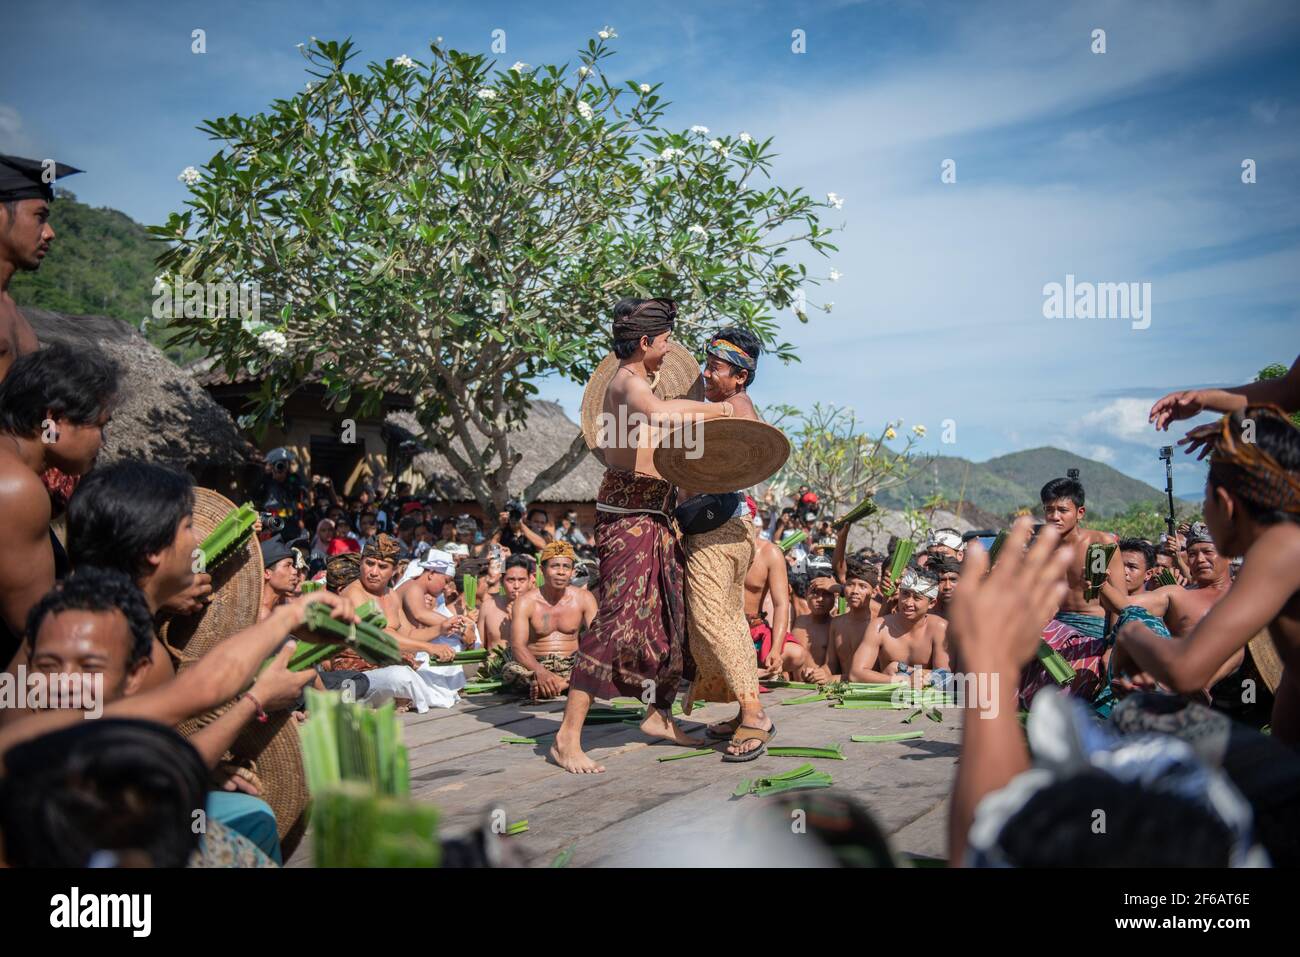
<point>637,640</point>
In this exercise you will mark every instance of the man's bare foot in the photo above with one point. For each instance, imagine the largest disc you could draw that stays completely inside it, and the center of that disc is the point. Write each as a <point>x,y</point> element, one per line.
<point>571,757</point>
<point>658,724</point>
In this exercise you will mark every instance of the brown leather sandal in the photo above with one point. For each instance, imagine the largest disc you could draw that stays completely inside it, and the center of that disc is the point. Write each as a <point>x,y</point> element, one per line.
<point>748,733</point>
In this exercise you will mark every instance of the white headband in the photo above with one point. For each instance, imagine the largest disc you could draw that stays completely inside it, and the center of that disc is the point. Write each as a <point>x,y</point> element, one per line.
<point>919,586</point>
<point>944,536</point>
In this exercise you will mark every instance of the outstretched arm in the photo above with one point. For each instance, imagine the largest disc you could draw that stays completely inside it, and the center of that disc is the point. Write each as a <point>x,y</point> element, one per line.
<point>1189,402</point>
<point>1189,663</point>
<point>214,679</point>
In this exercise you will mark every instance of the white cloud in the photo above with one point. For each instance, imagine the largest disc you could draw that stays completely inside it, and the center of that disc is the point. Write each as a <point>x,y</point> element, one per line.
<point>1089,450</point>
<point>13,136</point>
<point>1124,419</point>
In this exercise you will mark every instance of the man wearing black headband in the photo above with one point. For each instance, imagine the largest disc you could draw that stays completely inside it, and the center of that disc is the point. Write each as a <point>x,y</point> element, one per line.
<point>26,191</point>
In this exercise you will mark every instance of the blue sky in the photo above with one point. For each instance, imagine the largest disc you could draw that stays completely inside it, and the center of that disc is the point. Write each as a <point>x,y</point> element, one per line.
<point>1115,167</point>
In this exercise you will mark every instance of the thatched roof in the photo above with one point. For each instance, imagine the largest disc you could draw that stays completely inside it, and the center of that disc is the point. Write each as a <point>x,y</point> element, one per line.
<point>162,414</point>
<point>542,441</point>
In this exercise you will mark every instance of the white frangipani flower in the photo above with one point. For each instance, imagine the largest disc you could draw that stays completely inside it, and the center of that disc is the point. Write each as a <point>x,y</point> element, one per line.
<point>607,34</point>
<point>645,87</point>
<point>835,200</point>
<point>835,275</point>
<point>309,87</point>
<point>919,430</point>
<point>890,434</point>
<point>274,342</point>
<point>651,165</point>
<point>670,154</point>
<point>584,108</point>
<point>717,147</point>
<point>403,60</point>
<point>583,70</point>
<point>486,94</point>
<point>698,230</point>
<point>190,176</point>
<point>746,138</point>
<point>519,66</point>
<point>702,130</point>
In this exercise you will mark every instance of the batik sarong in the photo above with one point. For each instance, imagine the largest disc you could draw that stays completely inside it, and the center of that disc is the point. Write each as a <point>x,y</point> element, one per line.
<point>520,680</point>
<point>716,565</point>
<point>636,643</point>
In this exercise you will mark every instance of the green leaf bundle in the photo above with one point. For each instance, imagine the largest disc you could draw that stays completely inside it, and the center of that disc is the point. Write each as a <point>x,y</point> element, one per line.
<point>1060,670</point>
<point>864,509</point>
<point>350,741</point>
<point>231,532</point>
<point>793,539</point>
<point>351,826</point>
<point>372,614</point>
<point>1166,577</point>
<point>801,778</point>
<point>372,643</point>
<point>1096,561</point>
<point>996,547</point>
<point>469,588</point>
<point>903,552</point>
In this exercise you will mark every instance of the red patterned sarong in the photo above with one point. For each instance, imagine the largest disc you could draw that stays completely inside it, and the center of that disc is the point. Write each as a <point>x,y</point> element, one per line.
<point>1083,652</point>
<point>637,640</point>
<point>760,632</point>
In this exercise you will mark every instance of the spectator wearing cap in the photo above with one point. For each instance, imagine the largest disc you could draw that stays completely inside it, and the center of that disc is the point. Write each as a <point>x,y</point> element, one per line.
<point>281,578</point>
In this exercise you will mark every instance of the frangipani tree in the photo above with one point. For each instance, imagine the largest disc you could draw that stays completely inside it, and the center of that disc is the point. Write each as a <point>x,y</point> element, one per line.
<point>455,231</point>
<point>840,463</point>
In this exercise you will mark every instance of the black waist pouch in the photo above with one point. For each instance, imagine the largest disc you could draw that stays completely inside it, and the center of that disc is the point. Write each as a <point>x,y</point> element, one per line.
<point>704,513</point>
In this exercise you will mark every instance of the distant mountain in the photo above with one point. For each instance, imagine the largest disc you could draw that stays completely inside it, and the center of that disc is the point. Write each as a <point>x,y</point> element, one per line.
<point>1003,485</point>
<point>101,264</point>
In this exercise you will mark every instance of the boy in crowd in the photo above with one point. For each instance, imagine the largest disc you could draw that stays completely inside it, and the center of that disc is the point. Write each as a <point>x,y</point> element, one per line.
<point>496,611</point>
<point>849,629</point>
<point>1064,510</point>
<point>810,652</point>
<point>908,642</point>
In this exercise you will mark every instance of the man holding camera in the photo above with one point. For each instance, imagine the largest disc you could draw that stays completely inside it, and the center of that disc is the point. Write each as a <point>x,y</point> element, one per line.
<point>522,537</point>
<point>282,494</point>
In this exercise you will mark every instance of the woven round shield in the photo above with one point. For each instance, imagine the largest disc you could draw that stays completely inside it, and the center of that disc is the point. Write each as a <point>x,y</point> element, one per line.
<point>270,751</point>
<point>721,455</point>
<point>1263,655</point>
<point>236,587</point>
<point>678,377</point>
